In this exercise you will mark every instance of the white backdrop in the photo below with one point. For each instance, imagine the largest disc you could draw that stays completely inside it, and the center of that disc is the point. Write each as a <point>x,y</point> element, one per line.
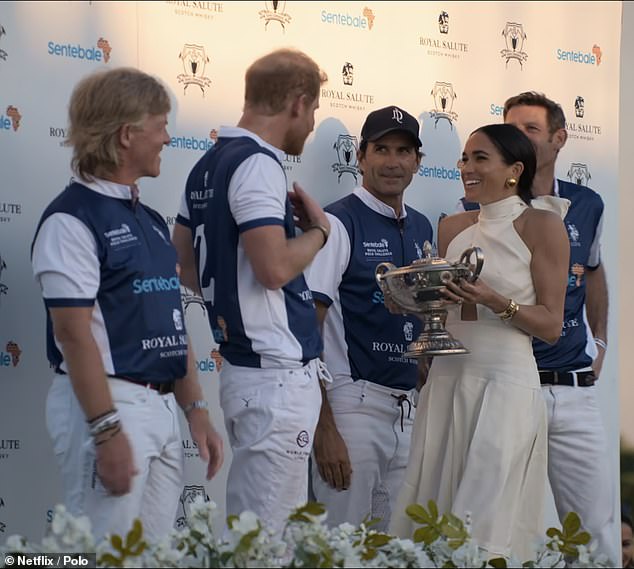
<point>413,54</point>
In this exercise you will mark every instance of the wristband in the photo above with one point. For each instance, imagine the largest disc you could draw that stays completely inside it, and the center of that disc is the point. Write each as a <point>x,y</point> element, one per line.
<point>601,343</point>
<point>198,404</point>
<point>95,419</point>
<point>323,230</point>
<point>105,424</point>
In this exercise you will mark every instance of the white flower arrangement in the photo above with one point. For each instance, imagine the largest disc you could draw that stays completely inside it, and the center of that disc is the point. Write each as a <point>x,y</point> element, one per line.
<point>440,541</point>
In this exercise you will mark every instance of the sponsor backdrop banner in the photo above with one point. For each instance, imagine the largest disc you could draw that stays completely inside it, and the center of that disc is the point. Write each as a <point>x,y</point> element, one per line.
<point>451,64</point>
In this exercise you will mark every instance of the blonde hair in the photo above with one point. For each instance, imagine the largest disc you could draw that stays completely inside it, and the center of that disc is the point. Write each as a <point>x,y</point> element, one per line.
<point>100,105</point>
<point>282,74</point>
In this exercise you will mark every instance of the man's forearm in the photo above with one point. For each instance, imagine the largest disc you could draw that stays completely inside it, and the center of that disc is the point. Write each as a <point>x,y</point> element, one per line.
<point>188,389</point>
<point>597,302</point>
<point>87,375</point>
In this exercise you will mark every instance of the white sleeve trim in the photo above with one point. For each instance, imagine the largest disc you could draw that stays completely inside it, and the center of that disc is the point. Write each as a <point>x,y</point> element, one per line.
<point>324,274</point>
<point>65,261</point>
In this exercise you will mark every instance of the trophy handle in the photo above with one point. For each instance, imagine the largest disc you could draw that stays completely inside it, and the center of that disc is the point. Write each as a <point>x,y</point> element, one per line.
<point>479,261</point>
<point>380,270</point>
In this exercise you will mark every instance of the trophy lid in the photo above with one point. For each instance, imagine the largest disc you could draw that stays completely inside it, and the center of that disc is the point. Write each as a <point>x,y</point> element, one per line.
<point>429,258</point>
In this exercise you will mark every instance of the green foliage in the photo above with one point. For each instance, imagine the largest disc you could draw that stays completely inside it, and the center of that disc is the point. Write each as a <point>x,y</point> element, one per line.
<point>134,546</point>
<point>435,526</point>
<point>569,536</point>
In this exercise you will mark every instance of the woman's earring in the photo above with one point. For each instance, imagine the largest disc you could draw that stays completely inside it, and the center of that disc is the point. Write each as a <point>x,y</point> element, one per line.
<point>511,183</point>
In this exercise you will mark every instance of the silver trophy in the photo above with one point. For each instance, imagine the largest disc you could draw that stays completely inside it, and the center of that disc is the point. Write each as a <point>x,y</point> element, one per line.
<point>416,289</point>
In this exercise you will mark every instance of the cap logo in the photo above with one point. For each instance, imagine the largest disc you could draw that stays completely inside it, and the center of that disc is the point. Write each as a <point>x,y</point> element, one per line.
<point>397,115</point>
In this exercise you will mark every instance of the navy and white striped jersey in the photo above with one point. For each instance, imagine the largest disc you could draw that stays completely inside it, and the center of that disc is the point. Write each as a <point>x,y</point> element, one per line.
<point>362,339</point>
<point>92,247</point>
<point>239,184</point>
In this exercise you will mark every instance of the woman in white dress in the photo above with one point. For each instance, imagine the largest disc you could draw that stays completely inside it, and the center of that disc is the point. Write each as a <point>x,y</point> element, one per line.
<point>479,441</point>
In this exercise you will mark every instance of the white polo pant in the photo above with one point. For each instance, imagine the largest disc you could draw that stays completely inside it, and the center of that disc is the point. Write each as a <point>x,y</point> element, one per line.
<point>377,430</point>
<point>578,464</point>
<point>270,416</point>
<point>150,421</point>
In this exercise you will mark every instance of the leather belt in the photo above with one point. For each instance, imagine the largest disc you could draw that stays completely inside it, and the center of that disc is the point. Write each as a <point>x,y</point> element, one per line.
<point>571,378</point>
<point>163,388</point>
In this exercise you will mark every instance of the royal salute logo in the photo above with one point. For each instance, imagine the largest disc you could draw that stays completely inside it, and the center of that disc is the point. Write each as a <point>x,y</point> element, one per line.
<point>443,22</point>
<point>3,53</point>
<point>408,331</point>
<point>194,60</point>
<point>189,495</point>
<point>4,289</point>
<point>9,446</point>
<point>441,45</point>
<point>346,148</point>
<point>444,97</point>
<point>346,98</point>
<point>347,73</point>
<point>201,10</point>
<point>275,11</point>
<point>514,36</point>
<point>290,161</point>
<point>579,107</point>
<point>579,174</point>
<point>581,130</point>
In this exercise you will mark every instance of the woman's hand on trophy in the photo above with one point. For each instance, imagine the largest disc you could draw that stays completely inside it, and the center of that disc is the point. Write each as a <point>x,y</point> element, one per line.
<point>477,292</point>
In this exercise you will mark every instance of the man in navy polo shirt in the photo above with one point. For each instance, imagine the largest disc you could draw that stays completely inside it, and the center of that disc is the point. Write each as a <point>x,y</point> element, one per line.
<point>578,465</point>
<point>362,440</point>
<point>115,328</point>
<point>235,235</point>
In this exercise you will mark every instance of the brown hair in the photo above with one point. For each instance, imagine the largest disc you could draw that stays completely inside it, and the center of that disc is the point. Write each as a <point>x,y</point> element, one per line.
<point>280,75</point>
<point>554,112</point>
<point>100,105</point>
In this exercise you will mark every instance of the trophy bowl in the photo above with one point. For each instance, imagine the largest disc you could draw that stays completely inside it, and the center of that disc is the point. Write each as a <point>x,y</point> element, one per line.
<point>416,289</point>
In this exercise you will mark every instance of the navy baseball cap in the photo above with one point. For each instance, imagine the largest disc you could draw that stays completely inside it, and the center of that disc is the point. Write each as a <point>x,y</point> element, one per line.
<point>389,119</point>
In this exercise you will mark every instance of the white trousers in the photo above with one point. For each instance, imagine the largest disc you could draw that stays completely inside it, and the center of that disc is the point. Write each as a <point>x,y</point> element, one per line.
<point>578,464</point>
<point>377,430</point>
<point>150,421</point>
<point>270,417</point>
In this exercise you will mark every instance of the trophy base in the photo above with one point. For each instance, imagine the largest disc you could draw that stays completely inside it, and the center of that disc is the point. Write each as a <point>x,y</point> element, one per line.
<point>428,345</point>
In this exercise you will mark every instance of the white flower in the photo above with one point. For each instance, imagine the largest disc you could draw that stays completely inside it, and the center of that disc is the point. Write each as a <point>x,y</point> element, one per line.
<point>247,522</point>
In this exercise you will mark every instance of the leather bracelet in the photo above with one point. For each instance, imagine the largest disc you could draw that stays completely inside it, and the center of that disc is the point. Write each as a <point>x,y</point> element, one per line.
<point>510,311</point>
<point>115,432</point>
<point>104,414</point>
<point>601,343</point>
<point>321,228</point>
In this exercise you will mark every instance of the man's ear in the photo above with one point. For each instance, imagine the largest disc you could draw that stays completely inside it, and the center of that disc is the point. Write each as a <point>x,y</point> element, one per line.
<point>560,137</point>
<point>298,103</point>
<point>125,135</point>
